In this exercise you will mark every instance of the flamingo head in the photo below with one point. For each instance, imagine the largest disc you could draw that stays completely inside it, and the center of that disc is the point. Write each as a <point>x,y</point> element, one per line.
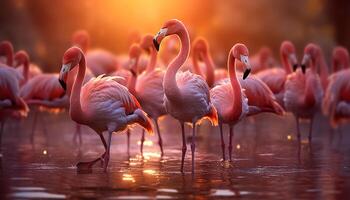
<point>170,27</point>
<point>147,43</point>
<point>81,38</point>
<point>201,46</point>
<point>134,55</point>
<point>311,52</point>
<point>240,52</point>
<point>6,49</point>
<point>21,57</point>
<point>288,49</point>
<point>340,58</point>
<point>71,58</point>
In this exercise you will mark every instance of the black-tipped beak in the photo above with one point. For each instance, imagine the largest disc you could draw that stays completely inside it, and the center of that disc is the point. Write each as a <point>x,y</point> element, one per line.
<point>156,44</point>
<point>246,73</point>
<point>295,66</point>
<point>63,84</point>
<point>303,68</point>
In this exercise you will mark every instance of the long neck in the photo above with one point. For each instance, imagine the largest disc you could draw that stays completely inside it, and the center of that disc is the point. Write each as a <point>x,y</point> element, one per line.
<point>75,110</point>
<point>9,56</point>
<point>236,108</point>
<point>26,70</point>
<point>195,58</point>
<point>210,69</point>
<point>285,62</point>
<point>132,81</point>
<point>171,89</point>
<point>153,60</point>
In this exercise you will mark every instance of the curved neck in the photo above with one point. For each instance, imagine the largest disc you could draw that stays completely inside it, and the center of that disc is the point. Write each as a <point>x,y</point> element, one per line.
<point>75,110</point>
<point>210,69</point>
<point>171,89</point>
<point>195,58</point>
<point>152,61</point>
<point>285,62</point>
<point>236,108</point>
<point>132,81</point>
<point>9,56</point>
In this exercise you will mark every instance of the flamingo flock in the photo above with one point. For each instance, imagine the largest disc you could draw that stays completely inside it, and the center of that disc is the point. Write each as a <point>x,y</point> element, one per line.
<point>110,93</point>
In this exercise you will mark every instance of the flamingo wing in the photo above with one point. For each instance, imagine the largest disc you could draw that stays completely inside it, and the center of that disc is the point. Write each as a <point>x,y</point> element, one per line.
<point>274,78</point>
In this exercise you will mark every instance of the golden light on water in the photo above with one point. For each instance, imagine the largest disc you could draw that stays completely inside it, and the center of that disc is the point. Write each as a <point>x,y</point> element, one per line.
<point>150,171</point>
<point>146,143</point>
<point>128,177</point>
<point>44,152</point>
<point>289,137</point>
<point>238,146</point>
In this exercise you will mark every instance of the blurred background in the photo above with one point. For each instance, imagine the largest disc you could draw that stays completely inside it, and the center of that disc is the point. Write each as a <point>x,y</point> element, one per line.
<point>44,28</point>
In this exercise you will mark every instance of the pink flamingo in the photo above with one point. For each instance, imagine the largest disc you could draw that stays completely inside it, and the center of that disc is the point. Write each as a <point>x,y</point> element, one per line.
<point>102,103</point>
<point>99,61</point>
<point>24,67</point>
<point>275,78</point>
<point>6,53</point>
<point>336,103</point>
<point>148,88</point>
<point>340,59</point>
<point>262,60</point>
<point>11,104</point>
<point>186,95</point>
<point>303,92</point>
<point>250,95</point>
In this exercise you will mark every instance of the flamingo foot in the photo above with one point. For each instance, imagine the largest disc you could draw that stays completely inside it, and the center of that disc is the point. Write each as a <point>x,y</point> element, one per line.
<point>86,167</point>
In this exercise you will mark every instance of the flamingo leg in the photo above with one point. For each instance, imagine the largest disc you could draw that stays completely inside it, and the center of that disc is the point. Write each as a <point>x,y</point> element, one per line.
<point>193,144</point>
<point>142,141</point>
<point>230,147</point>
<point>222,142</point>
<point>1,131</point>
<point>160,141</point>
<point>128,141</point>
<point>298,129</point>
<point>184,148</point>
<point>310,131</point>
<point>77,135</point>
<point>106,157</point>
<point>85,166</point>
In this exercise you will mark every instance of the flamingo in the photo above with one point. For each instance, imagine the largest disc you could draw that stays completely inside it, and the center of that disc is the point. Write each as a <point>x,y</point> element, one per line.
<point>24,67</point>
<point>336,103</point>
<point>250,95</point>
<point>340,59</point>
<point>11,104</point>
<point>99,61</point>
<point>303,90</point>
<point>275,78</point>
<point>148,88</point>
<point>260,61</point>
<point>186,95</point>
<point>102,103</point>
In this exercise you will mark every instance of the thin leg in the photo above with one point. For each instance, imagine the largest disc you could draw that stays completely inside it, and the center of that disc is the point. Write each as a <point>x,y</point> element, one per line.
<point>77,135</point>
<point>222,142</point>
<point>142,141</point>
<point>1,131</point>
<point>184,147</point>
<point>310,131</point>
<point>128,141</point>
<point>106,157</point>
<point>193,144</point>
<point>298,129</point>
<point>230,147</point>
<point>34,126</point>
<point>85,166</point>
<point>160,141</point>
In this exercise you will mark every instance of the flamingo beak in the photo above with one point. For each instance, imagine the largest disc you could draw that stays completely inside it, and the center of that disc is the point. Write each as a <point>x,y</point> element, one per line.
<point>294,61</point>
<point>63,75</point>
<point>305,60</point>
<point>159,37</point>
<point>245,61</point>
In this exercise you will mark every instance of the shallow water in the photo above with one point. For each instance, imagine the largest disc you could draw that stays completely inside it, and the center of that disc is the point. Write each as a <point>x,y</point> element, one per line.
<point>266,163</point>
